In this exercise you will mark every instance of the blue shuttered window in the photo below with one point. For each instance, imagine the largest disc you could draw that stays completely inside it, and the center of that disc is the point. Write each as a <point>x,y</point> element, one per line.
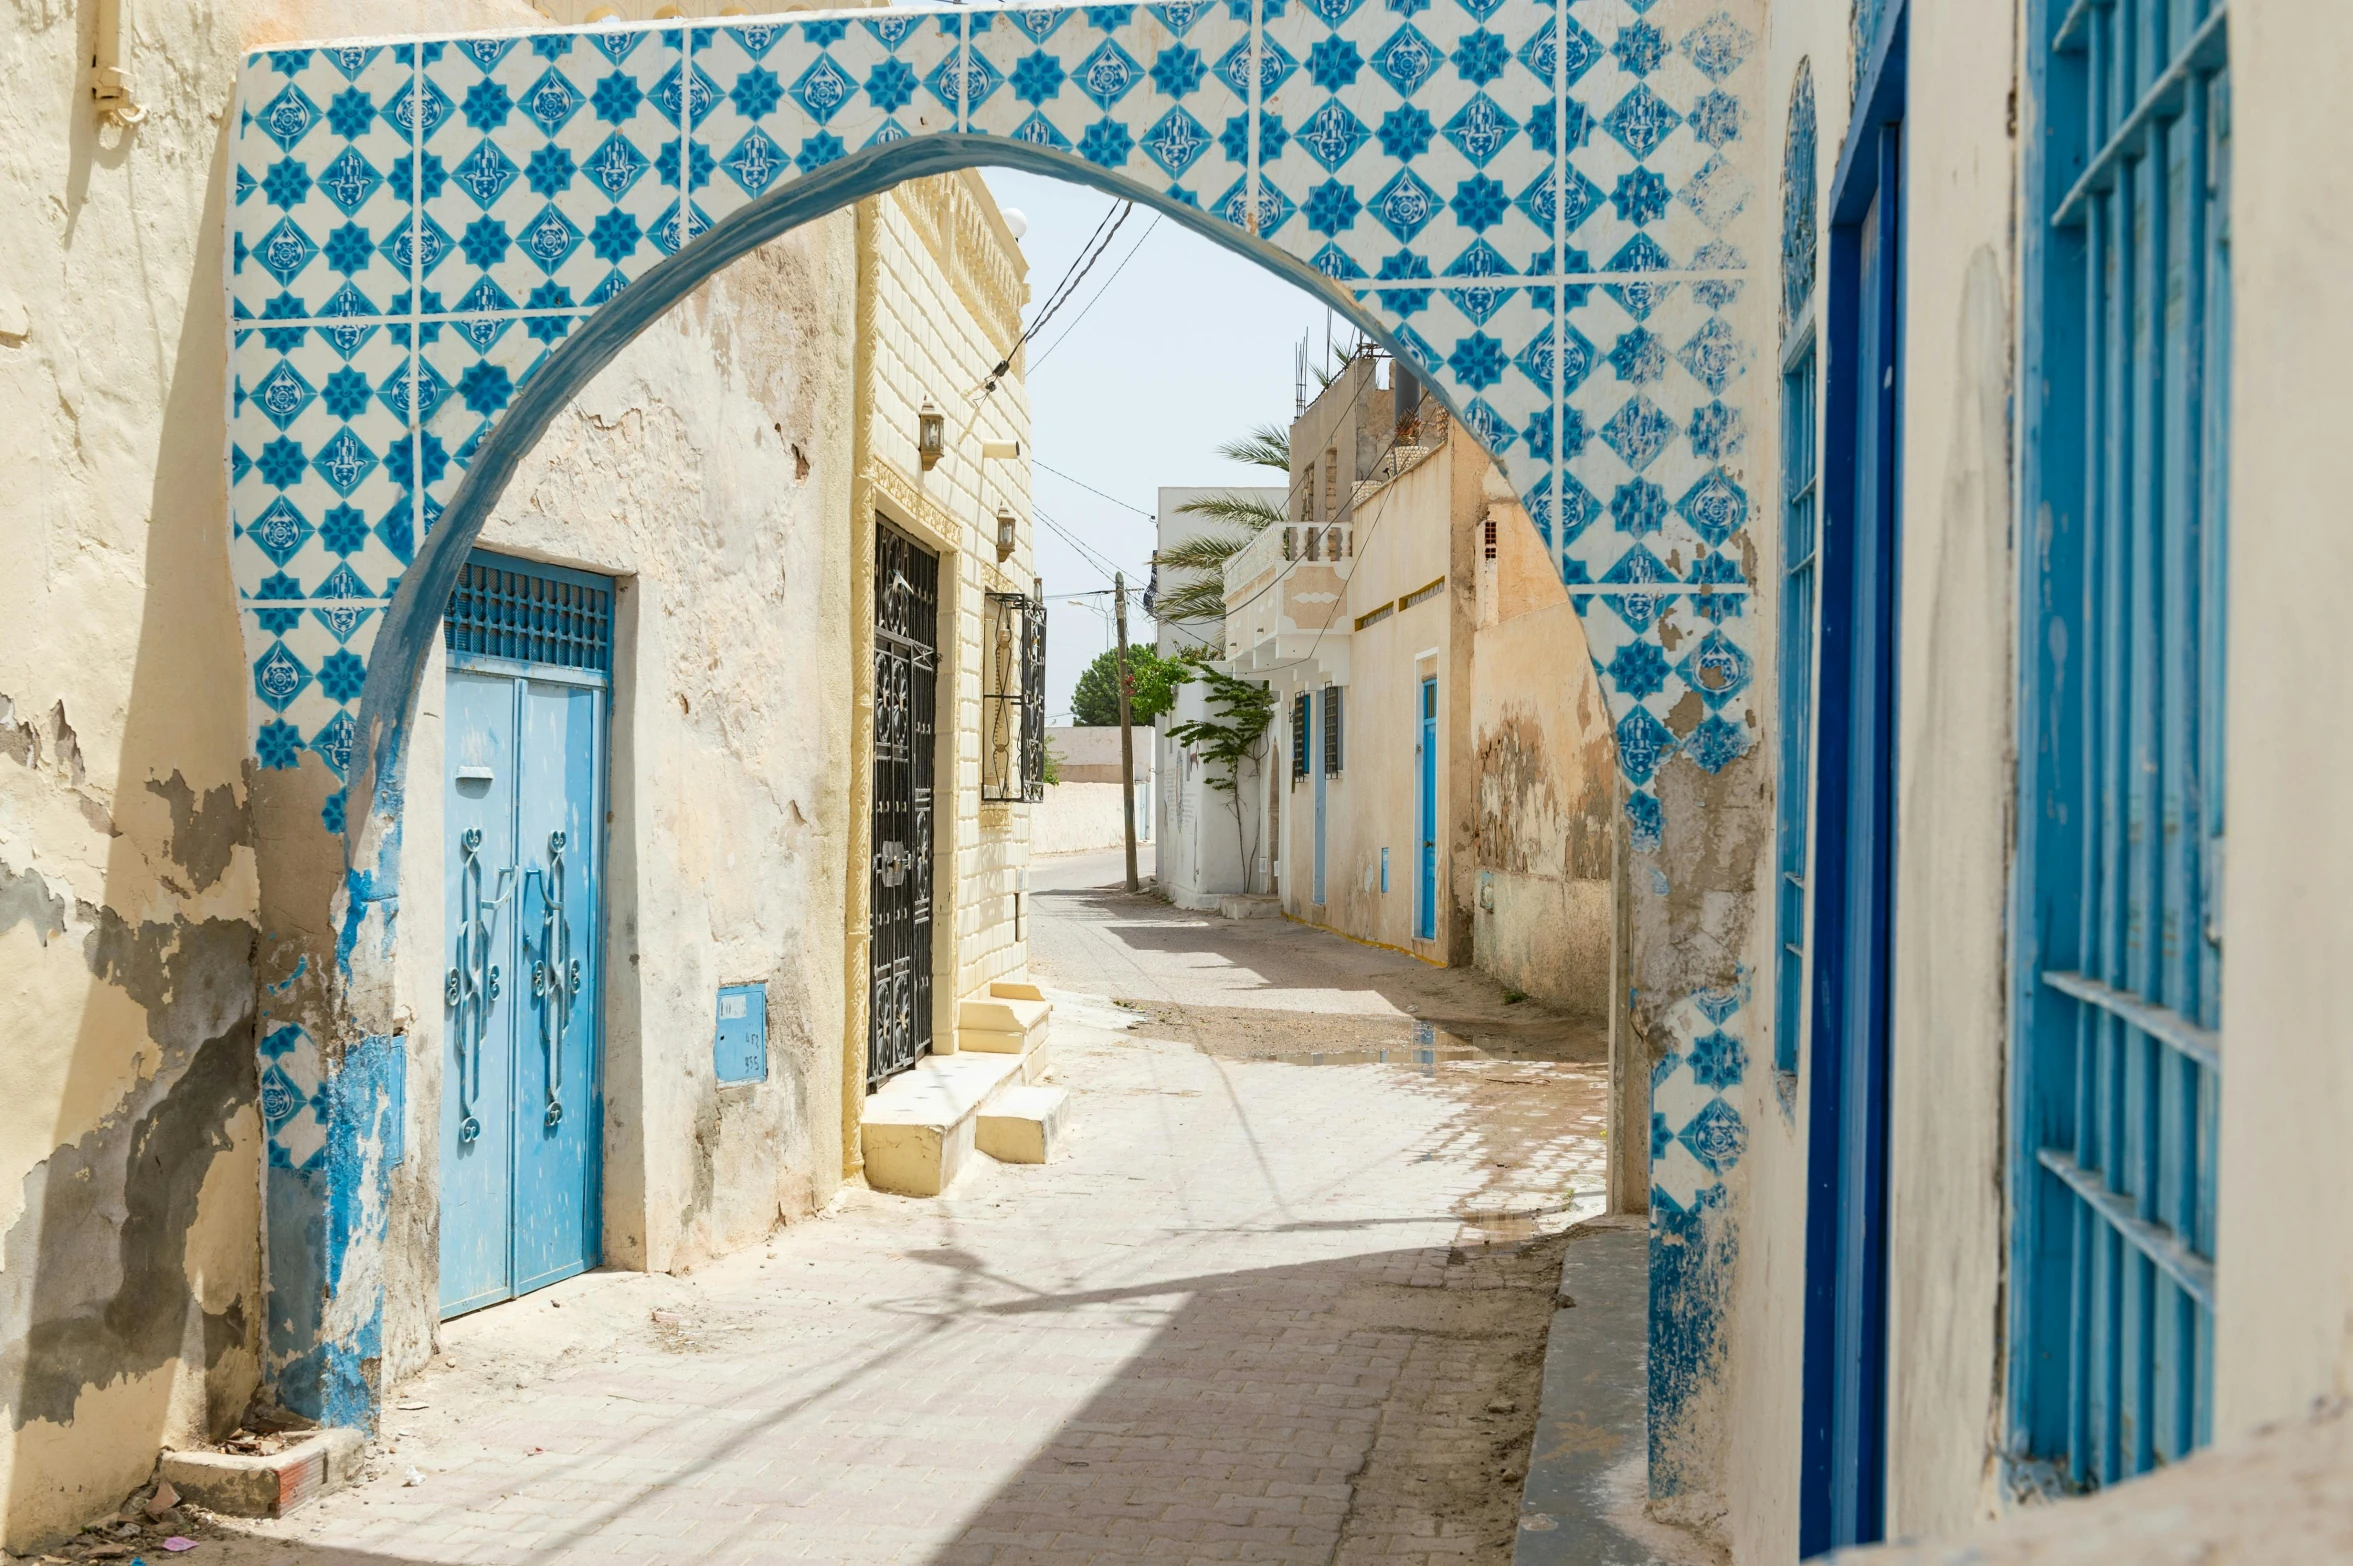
<point>2120,962</point>
<point>1800,523</point>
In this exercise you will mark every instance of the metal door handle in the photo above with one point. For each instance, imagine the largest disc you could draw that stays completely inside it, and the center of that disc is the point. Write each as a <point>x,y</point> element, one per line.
<point>555,978</point>
<point>473,983</point>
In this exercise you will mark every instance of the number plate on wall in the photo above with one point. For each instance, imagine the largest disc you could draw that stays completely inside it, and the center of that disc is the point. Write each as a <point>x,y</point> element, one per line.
<point>739,1049</point>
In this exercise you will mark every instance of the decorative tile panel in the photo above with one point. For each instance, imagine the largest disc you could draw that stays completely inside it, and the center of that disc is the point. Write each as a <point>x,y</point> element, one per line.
<point>1540,205</point>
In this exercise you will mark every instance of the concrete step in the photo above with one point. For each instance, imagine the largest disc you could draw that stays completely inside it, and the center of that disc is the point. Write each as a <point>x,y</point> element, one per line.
<point>1015,989</point>
<point>1001,1024</point>
<point>918,1128</point>
<point>1257,905</point>
<point>1024,1125</point>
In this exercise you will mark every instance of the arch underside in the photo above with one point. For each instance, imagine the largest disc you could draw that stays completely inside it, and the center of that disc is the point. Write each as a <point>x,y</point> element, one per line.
<point>436,242</point>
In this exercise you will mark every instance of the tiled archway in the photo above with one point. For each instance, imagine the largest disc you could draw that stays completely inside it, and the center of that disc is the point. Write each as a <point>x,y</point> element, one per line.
<point>437,241</point>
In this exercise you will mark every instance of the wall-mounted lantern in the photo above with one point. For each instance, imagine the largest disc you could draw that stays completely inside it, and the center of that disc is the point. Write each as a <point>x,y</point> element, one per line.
<point>931,435</point>
<point>1004,533</point>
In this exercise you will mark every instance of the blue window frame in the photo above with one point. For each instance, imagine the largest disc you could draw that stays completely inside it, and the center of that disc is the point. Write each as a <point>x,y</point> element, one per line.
<point>1800,522</point>
<point>1843,1446</point>
<point>2117,1064</point>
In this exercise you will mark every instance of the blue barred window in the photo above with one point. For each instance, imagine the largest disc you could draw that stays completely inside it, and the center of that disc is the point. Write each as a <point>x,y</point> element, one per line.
<point>2118,1066</point>
<point>1800,507</point>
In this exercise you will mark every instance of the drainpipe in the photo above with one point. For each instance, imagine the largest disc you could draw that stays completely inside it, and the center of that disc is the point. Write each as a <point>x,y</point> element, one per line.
<point>110,85</point>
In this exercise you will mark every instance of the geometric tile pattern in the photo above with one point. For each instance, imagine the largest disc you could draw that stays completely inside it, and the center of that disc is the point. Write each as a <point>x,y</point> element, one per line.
<point>1529,200</point>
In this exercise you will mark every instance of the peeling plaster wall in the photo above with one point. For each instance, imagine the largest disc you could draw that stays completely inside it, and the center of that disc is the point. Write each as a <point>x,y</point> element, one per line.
<point>1955,783</point>
<point>707,469</point>
<point>1540,881</point>
<point>130,1143</point>
<point>2284,1329</point>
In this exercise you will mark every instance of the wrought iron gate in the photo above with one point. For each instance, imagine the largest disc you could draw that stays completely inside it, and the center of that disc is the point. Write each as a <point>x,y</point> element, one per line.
<point>906,702</point>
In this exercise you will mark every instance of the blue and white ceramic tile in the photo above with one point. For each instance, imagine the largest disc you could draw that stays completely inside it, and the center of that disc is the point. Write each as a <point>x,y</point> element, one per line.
<point>471,200</point>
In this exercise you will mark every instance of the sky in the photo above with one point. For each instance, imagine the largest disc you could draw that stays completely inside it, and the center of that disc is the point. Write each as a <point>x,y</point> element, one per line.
<point>1171,346</point>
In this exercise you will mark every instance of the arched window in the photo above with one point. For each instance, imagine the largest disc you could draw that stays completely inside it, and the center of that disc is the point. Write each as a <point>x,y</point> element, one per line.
<point>1800,510</point>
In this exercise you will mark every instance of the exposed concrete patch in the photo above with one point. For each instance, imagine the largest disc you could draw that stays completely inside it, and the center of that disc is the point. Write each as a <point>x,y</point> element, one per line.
<point>206,828</point>
<point>25,898</point>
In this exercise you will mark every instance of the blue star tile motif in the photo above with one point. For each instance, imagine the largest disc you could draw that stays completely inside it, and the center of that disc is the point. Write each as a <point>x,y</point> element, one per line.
<point>1638,669</point>
<point>1717,1060</point>
<point>1178,70</point>
<point>1716,744</point>
<point>1638,357</point>
<point>1716,431</point>
<point>1638,508</point>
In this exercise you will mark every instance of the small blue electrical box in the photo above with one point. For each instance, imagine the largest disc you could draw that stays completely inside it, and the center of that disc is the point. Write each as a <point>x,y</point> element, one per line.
<point>740,1048</point>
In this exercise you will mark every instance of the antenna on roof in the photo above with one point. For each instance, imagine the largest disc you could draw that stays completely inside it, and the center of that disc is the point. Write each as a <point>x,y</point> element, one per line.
<point>1299,377</point>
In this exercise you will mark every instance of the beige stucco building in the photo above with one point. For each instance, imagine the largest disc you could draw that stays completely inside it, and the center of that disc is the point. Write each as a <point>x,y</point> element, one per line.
<point>1438,775</point>
<point>717,495</point>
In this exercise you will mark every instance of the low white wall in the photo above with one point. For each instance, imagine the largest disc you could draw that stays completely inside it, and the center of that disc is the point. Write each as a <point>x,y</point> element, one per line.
<point>1078,816</point>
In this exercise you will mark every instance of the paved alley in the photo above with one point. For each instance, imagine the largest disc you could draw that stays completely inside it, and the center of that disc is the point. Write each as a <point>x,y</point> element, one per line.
<point>1282,1300</point>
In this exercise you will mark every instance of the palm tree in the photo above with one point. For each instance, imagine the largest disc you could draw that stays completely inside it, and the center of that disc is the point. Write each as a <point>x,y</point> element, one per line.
<point>1202,595</point>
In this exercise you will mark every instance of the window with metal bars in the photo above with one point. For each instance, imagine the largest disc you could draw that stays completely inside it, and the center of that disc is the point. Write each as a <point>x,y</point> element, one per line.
<point>2119,964</point>
<point>1800,524</point>
<point>1299,724</point>
<point>1013,700</point>
<point>530,613</point>
<point>1331,731</point>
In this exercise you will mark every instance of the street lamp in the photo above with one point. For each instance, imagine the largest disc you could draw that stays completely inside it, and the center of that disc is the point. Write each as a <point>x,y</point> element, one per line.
<point>1004,533</point>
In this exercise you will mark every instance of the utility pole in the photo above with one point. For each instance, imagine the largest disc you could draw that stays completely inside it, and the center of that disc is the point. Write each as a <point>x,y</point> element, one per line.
<point>1127,733</point>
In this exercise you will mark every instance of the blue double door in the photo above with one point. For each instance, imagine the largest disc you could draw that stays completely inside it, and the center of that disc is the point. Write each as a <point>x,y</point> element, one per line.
<point>520,1101</point>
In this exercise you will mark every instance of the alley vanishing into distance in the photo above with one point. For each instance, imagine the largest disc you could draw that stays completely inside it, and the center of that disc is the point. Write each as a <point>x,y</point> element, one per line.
<point>1284,1299</point>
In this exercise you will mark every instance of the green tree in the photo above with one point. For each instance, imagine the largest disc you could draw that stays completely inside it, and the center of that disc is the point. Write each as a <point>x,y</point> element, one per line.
<point>1199,593</point>
<point>1152,683</point>
<point>1226,743</point>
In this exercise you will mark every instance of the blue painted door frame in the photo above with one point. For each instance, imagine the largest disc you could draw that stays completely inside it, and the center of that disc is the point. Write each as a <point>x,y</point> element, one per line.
<point>1844,1442</point>
<point>1425,873</point>
<point>521,1120</point>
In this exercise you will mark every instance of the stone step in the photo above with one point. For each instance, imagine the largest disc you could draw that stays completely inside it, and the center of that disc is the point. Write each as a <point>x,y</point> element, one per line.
<point>918,1127</point>
<point>1001,1024</point>
<point>1015,989</point>
<point>1024,1125</point>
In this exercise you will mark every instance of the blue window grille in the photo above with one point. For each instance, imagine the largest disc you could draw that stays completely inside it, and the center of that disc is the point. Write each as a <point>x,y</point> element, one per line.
<point>530,613</point>
<point>1800,521</point>
<point>2119,967</point>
